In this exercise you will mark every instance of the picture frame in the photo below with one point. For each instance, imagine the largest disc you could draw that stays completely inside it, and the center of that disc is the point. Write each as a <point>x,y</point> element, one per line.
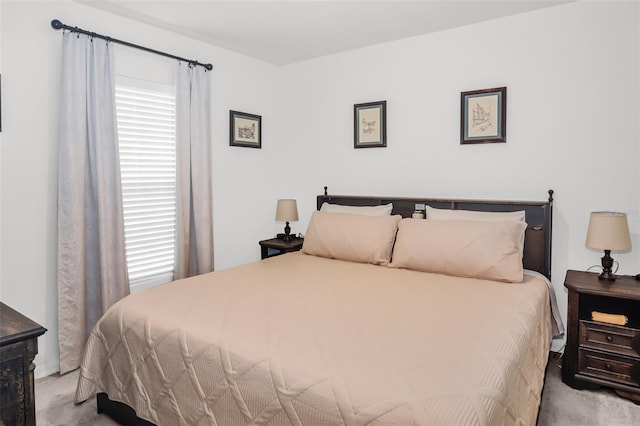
<point>370,125</point>
<point>483,116</point>
<point>245,129</point>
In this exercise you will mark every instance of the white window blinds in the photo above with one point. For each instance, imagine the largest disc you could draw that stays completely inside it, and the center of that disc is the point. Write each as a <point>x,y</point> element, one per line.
<point>147,140</point>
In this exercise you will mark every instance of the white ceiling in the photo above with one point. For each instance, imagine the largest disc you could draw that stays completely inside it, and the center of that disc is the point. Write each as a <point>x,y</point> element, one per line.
<point>283,32</point>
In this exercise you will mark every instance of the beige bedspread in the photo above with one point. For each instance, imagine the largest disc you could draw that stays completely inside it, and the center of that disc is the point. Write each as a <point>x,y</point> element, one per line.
<point>299,339</point>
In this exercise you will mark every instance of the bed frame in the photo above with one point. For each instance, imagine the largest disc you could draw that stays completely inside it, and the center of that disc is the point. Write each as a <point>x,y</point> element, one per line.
<point>537,251</point>
<point>538,214</point>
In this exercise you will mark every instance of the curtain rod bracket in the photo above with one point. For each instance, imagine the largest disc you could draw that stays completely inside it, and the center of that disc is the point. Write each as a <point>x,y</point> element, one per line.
<point>57,25</point>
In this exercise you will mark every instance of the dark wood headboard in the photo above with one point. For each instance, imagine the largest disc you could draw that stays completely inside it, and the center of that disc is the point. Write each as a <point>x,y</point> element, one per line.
<point>538,214</point>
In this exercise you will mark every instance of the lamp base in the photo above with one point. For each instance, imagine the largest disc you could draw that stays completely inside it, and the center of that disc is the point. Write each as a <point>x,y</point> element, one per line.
<point>607,263</point>
<point>287,232</point>
<point>607,276</point>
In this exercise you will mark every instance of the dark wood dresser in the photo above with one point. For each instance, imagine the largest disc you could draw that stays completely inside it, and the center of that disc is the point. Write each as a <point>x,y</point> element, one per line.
<point>18,348</point>
<point>600,353</point>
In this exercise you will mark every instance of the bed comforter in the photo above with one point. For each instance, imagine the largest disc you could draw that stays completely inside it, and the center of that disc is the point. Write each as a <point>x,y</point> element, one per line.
<point>299,339</point>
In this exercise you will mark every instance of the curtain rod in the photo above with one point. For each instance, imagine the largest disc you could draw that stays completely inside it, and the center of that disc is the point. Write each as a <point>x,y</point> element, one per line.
<point>57,25</point>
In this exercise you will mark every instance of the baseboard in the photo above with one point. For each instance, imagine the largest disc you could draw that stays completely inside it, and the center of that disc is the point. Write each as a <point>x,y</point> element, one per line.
<point>557,345</point>
<point>46,370</point>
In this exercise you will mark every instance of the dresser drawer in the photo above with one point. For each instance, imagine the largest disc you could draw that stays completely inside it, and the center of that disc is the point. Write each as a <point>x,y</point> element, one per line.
<point>611,338</point>
<point>609,367</point>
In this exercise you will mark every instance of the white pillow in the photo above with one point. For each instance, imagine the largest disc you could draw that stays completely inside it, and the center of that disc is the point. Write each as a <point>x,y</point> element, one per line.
<point>446,214</point>
<point>384,210</point>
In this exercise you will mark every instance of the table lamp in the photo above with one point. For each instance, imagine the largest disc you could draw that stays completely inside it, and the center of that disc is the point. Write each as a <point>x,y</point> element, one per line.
<point>608,231</point>
<point>287,211</point>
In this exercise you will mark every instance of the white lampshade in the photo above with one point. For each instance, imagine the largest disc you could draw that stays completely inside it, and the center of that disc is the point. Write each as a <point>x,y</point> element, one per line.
<point>608,231</point>
<point>287,211</point>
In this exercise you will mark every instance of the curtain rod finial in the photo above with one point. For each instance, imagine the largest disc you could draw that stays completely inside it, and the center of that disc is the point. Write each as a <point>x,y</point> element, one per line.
<point>56,24</point>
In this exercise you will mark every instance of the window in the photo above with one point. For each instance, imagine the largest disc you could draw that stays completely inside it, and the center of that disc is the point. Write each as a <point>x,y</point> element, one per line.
<point>147,141</point>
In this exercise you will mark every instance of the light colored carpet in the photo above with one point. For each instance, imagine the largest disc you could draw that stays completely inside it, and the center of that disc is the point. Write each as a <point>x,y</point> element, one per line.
<point>55,406</point>
<point>561,405</point>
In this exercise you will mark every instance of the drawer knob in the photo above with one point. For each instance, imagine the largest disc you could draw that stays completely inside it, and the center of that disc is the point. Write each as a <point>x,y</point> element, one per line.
<point>609,338</point>
<point>608,366</point>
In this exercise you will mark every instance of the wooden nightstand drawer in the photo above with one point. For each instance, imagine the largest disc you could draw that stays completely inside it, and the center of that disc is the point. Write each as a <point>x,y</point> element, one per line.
<point>609,367</point>
<point>612,338</point>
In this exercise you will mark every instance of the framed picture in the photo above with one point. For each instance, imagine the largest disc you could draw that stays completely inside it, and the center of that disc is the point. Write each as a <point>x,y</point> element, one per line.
<point>370,125</point>
<point>245,129</point>
<point>483,116</point>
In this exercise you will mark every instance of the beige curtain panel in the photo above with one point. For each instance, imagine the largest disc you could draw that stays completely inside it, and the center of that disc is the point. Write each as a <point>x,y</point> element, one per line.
<point>194,217</point>
<point>92,273</point>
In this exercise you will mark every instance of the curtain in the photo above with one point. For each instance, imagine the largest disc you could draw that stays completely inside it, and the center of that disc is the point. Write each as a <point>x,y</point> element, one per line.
<point>92,273</point>
<point>194,221</point>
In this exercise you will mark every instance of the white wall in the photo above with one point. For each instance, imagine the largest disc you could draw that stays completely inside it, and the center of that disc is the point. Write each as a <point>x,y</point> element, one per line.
<point>573,81</point>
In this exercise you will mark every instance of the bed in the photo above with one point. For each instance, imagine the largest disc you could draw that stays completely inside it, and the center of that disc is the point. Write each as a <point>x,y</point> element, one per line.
<point>353,330</point>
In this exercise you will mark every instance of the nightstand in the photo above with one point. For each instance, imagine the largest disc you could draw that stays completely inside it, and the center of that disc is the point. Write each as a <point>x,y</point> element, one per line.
<point>18,347</point>
<point>597,353</point>
<point>276,246</point>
